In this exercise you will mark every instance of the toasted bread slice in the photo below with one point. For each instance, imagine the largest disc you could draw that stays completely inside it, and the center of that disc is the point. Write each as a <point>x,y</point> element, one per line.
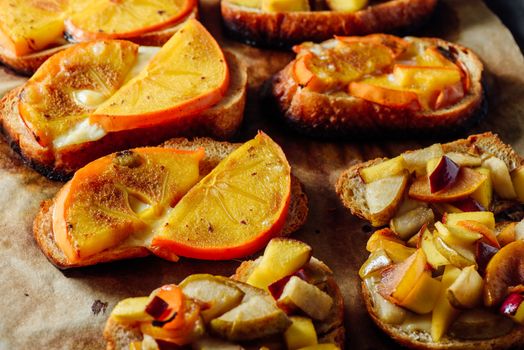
<point>282,29</point>
<point>330,330</point>
<point>335,114</point>
<point>215,152</point>
<point>220,121</point>
<point>29,63</point>
<point>422,340</point>
<point>351,188</point>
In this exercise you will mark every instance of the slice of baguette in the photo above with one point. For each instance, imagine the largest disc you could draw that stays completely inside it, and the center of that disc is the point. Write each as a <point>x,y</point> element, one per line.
<point>351,188</point>
<point>423,341</point>
<point>215,152</point>
<point>220,121</point>
<point>28,64</point>
<point>330,330</point>
<point>338,114</point>
<point>282,29</point>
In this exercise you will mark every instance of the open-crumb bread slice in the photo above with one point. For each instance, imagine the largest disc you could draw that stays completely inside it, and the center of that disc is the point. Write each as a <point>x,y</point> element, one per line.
<point>337,113</point>
<point>351,187</point>
<point>330,330</point>
<point>262,28</point>
<point>215,152</point>
<point>220,121</point>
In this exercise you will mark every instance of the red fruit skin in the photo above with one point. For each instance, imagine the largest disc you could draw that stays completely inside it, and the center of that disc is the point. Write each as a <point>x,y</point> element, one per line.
<point>157,308</point>
<point>276,288</point>
<point>444,174</point>
<point>468,204</point>
<point>511,304</point>
<point>484,252</point>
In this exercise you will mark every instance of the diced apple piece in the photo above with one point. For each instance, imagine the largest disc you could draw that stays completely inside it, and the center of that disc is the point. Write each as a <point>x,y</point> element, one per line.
<point>375,241</point>
<point>386,310</point>
<point>467,182</point>
<point>507,234</point>
<point>435,259</point>
<point>432,164</point>
<point>484,194</point>
<point>282,257</point>
<point>220,296</point>
<point>500,177</point>
<point>346,5</point>
<point>298,294</point>
<point>416,160</point>
<point>477,227</point>
<point>390,167</point>
<point>484,217</point>
<point>409,204</point>
<point>504,270</point>
<point>285,5</point>
<point>479,324</point>
<point>455,235</point>
<point>394,248</point>
<point>398,280</point>
<point>466,291</point>
<point>408,224</point>
<point>456,255</point>
<point>255,318</point>
<point>464,159</point>
<point>132,310</point>
<point>423,295</point>
<point>377,260</point>
<point>444,313</point>
<point>300,334</point>
<point>517,177</point>
<point>384,196</point>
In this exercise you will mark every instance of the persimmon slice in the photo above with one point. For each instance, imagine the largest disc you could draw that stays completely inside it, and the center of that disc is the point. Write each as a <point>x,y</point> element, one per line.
<point>236,209</point>
<point>120,19</point>
<point>60,93</point>
<point>120,194</point>
<point>375,92</point>
<point>188,75</point>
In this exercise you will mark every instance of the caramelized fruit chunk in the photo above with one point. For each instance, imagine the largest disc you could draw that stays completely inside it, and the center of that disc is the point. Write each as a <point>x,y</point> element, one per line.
<point>444,174</point>
<point>346,5</point>
<point>384,196</point>
<point>424,294</point>
<point>435,259</point>
<point>500,177</point>
<point>416,160</point>
<point>390,167</point>
<point>407,224</point>
<point>285,5</point>
<point>299,294</point>
<point>300,334</point>
<point>517,177</point>
<point>444,313</point>
<point>236,209</point>
<point>466,291</point>
<point>467,182</point>
<point>483,217</point>
<point>513,307</point>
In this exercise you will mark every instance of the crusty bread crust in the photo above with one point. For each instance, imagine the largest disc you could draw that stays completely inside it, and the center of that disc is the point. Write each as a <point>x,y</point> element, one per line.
<point>283,29</point>
<point>215,152</point>
<point>118,336</point>
<point>28,64</point>
<point>421,340</point>
<point>339,114</point>
<point>351,188</point>
<point>220,121</point>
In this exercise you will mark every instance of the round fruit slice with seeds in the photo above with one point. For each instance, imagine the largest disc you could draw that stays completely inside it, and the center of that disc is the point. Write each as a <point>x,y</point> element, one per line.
<point>112,19</point>
<point>118,195</point>
<point>236,209</point>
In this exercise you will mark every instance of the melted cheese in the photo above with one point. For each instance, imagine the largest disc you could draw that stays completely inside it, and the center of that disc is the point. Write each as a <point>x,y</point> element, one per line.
<point>80,133</point>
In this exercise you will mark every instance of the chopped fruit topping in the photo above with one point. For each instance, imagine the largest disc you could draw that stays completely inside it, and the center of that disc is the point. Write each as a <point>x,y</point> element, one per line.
<point>423,295</point>
<point>188,75</point>
<point>476,227</point>
<point>376,240</point>
<point>500,177</point>
<point>505,270</point>
<point>483,255</point>
<point>276,288</point>
<point>282,257</point>
<point>248,3</point>
<point>513,308</point>
<point>109,19</point>
<point>468,204</point>
<point>376,90</point>
<point>443,175</point>
<point>466,291</point>
<point>116,195</point>
<point>409,223</point>
<point>444,313</point>
<point>508,234</point>
<point>484,194</point>
<point>435,259</point>
<point>27,26</point>
<point>390,167</point>
<point>300,334</point>
<point>517,177</point>
<point>132,309</point>
<point>236,209</point>
<point>298,294</point>
<point>384,196</point>
<point>483,217</point>
<point>466,183</point>
<point>346,5</point>
<point>416,160</point>
<point>397,45</point>
<point>49,102</point>
<point>377,260</point>
<point>285,5</point>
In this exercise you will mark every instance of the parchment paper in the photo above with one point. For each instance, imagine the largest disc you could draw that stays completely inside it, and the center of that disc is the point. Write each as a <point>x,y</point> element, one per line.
<point>42,307</point>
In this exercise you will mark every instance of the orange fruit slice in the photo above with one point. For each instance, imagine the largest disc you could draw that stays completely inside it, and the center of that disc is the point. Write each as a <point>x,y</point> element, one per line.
<point>112,19</point>
<point>55,98</point>
<point>31,25</point>
<point>236,209</point>
<point>188,75</point>
<point>118,195</point>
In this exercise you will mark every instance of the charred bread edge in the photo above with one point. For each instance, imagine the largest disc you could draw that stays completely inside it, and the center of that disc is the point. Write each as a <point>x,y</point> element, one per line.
<point>411,339</point>
<point>28,64</point>
<point>215,151</point>
<point>350,187</point>
<point>220,121</point>
<point>337,116</point>
<point>283,29</point>
<point>118,336</point>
